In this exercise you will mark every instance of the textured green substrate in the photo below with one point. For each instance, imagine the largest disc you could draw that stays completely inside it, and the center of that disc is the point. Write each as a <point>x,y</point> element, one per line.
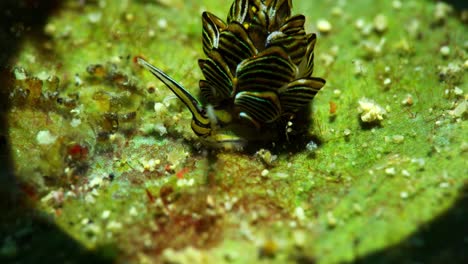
<point>144,194</point>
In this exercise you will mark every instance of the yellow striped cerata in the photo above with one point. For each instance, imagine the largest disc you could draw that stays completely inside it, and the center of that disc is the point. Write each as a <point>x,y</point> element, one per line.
<point>258,73</point>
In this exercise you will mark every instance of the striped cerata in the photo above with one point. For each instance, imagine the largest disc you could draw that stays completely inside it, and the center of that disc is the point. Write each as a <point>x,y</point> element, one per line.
<point>258,72</point>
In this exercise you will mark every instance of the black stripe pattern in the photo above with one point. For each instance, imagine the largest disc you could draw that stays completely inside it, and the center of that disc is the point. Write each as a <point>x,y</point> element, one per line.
<point>258,69</point>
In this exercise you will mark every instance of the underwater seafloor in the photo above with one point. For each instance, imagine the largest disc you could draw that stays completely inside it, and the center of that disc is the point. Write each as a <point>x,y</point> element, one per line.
<point>99,164</point>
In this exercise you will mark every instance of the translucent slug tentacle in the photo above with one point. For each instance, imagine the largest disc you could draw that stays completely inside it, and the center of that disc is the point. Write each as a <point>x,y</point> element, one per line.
<point>201,124</point>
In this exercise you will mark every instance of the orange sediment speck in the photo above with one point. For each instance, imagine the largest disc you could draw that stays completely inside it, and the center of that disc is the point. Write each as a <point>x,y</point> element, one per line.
<point>180,174</point>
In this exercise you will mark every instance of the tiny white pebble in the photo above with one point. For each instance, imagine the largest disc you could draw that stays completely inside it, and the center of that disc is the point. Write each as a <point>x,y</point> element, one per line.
<point>113,225</point>
<point>419,161</point>
<point>347,132</point>
<point>44,137</point>
<point>380,23</point>
<point>337,92</point>
<point>408,100</point>
<point>398,139</point>
<point>159,108</point>
<point>405,173</point>
<point>460,110</point>
<point>390,171</point>
<point>311,146</point>
<point>94,18</point>
<point>162,23</point>
<point>360,23</point>
<point>397,4</point>
<point>299,212</point>
<point>404,195</point>
<point>84,221</point>
<point>444,185</point>
<point>105,214</point>
<point>387,81</point>
<point>324,26</point>
<point>133,211</point>
<point>445,51</point>
<point>265,172</point>
<point>457,91</point>
<point>357,208</point>
<point>75,122</point>
<point>331,220</point>
<point>370,111</point>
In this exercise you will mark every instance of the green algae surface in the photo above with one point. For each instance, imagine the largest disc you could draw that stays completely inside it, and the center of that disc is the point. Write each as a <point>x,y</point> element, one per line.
<point>104,152</point>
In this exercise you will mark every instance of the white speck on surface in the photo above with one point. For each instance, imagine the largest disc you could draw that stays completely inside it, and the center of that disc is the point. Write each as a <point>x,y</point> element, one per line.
<point>457,91</point>
<point>114,225</point>
<point>186,255</point>
<point>44,137</point>
<point>357,208</point>
<point>390,171</point>
<point>452,69</point>
<point>387,81</point>
<point>20,74</point>
<point>85,221</point>
<point>408,100</point>
<point>324,25</point>
<point>419,161</point>
<point>331,220</point>
<point>95,17</point>
<point>398,139</point>
<point>359,68</point>
<point>337,92</point>
<point>185,182</point>
<point>133,211</point>
<point>347,132</point>
<point>78,81</point>
<point>95,181</point>
<point>299,238</point>
<point>160,108</point>
<point>162,23</point>
<point>282,175</point>
<point>380,23</point>
<point>460,110</point>
<point>160,128</point>
<point>444,185</point>
<point>405,173</point>
<point>105,214</point>
<point>50,29</point>
<point>441,11</point>
<point>265,172</point>
<point>445,51</point>
<point>299,213</point>
<point>43,75</point>
<point>311,146</point>
<point>397,5</point>
<point>75,122</point>
<point>370,111</point>
<point>403,195</point>
<point>360,23</point>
